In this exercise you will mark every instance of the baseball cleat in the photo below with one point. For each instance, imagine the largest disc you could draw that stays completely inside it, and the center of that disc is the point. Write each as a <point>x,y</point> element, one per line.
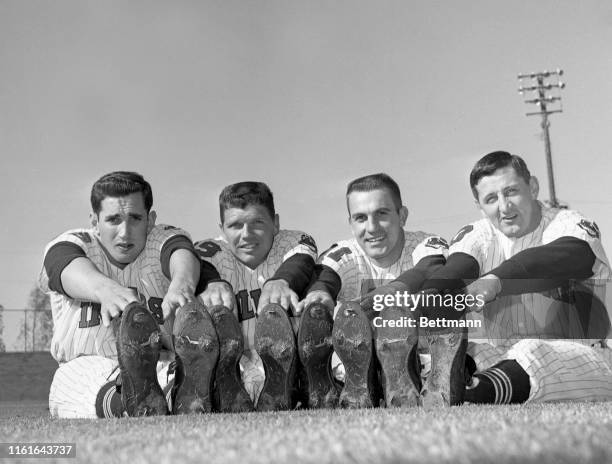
<point>138,345</point>
<point>445,384</point>
<point>352,339</point>
<point>275,344</point>
<point>197,349</point>
<point>230,394</point>
<point>396,352</point>
<point>315,349</point>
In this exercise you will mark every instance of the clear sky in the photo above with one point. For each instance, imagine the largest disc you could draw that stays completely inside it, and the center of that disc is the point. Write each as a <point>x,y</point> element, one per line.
<point>302,95</point>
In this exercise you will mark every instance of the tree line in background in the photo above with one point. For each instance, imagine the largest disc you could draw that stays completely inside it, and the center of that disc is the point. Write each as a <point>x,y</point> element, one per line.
<point>36,327</point>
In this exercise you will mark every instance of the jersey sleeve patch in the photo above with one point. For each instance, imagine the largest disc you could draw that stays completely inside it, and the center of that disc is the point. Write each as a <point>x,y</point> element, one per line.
<point>307,240</point>
<point>207,249</point>
<point>337,253</point>
<point>462,233</point>
<point>590,228</point>
<point>323,254</point>
<point>436,242</point>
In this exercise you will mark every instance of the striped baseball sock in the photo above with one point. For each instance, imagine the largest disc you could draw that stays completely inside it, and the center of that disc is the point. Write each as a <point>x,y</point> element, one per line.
<point>504,383</point>
<point>108,401</point>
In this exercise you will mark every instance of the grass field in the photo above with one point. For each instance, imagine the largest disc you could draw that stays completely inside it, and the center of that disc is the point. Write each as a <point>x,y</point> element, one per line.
<point>553,433</point>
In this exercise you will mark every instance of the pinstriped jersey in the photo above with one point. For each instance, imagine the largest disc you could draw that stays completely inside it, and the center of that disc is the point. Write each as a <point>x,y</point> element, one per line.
<point>247,282</point>
<point>533,315</point>
<point>77,327</point>
<point>359,275</point>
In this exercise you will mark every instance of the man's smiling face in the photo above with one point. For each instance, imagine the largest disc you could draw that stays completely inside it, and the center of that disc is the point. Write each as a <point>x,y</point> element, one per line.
<point>377,224</point>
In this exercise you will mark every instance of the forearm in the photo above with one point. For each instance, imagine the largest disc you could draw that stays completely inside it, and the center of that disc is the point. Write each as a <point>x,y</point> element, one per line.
<point>459,270</point>
<point>297,271</point>
<point>326,280</point>
<point>546,267</point>
<point>208,275</point>
<point>184,269</point>
<point>565,258</point>
<point>414,278</point>
<point>82,280</point>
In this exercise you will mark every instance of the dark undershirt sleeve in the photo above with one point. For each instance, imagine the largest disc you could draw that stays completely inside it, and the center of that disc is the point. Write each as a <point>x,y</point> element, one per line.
<point>208,274</point>
<point>327,280</point>
<point>57,258</point>
<point>297,271</point>
<point>414,278</point>
<point>546,266</point>
<point>170,246</point>
<point>459,270</point>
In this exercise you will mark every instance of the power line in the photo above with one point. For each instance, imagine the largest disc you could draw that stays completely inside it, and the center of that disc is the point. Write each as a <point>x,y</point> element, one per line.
<point>548,104</point>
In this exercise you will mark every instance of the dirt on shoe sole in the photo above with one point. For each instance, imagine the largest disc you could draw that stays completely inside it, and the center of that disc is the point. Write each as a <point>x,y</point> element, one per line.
<point>275,344</point>
<point>395,350</point>
<point>315,349</point>
<point>230,394</point>
<point>352,339</point>
<point>138,347</point>
<point>197,350</point>
<point>445,384</point>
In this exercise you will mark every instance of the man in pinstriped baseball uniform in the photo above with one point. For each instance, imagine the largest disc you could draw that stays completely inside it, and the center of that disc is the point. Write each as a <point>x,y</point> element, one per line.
<point>264,264</point>
<point>539,335</point>
<point>94,274</point>
<point>379,252</point>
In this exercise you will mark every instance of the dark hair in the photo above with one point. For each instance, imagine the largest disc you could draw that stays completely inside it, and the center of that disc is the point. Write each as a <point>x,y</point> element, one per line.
<point>376,182</point>
<point>243,194</point>
<point>493,161</point>
<point>120,184</point>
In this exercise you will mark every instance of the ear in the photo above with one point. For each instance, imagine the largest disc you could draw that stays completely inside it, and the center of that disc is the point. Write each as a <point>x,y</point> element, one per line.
<point>403,214</point>
<point>152,218</point>
<point>93,219</point>
<point>223,234</point>
<point>534,187</point>
<point>276,224</point>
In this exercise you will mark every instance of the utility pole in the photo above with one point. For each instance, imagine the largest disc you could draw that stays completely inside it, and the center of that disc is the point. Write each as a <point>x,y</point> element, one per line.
<point>539,86</point>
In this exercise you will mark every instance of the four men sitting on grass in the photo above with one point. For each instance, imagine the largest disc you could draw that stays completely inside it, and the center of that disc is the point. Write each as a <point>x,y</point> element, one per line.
<point>255,319</point>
